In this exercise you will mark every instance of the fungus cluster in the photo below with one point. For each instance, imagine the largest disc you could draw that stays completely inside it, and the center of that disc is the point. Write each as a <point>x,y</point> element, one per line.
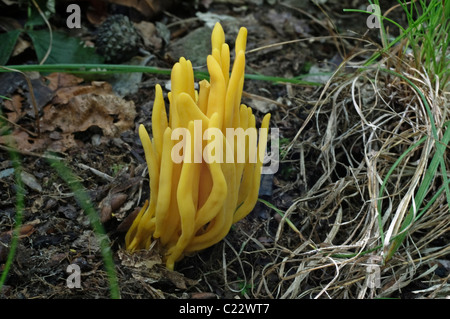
<point>204,159</point>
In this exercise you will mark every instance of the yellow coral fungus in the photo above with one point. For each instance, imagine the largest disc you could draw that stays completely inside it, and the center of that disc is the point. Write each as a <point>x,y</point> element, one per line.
<point>204,160</point>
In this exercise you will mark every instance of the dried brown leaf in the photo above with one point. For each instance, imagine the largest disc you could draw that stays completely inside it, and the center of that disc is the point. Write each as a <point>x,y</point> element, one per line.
<point>62,80</point>
<point>14,106</point>
<point>23,141</point>
<point>149,35</point>
<point>149,264</point>
<point>110,113</point>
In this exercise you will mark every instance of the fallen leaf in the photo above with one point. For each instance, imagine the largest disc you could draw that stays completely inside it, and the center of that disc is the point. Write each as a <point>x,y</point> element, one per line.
<point>31,181</point>
<point>114,195</point>
<point>65,93</point>
<point>109,112</point>
<point>148,264</point>
<point>62,80</point>
<point>37,205</point>
<point>14,106</point>
<point>149,35</point>
<point>69,211</point>
<point>76,109</point>
<point>111,203</point>
<point>70,108</point>
<point>23,141</point>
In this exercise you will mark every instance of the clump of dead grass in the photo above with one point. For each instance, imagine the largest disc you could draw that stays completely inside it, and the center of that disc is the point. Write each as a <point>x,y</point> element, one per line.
<point>370,125</point>
<point>374,142</point>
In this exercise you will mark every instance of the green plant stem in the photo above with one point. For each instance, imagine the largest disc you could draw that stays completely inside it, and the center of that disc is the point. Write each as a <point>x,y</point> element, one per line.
<point>120,68</point>
<point>438,159</point>
<point>388,175</point>
<point>426,35</point>
<point>421,193</point>
<point>288,221</point>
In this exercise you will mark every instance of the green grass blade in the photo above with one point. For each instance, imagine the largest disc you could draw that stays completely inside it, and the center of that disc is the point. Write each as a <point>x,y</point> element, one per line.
<point>20,204</point>
<point>388,175</point>
<point>421,193</point>
<point>105,69</point>
<point>438,159</point>
<point>279,212</point>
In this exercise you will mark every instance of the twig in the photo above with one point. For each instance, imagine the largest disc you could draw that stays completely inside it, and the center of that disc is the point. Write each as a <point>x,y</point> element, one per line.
<point>96,172</point>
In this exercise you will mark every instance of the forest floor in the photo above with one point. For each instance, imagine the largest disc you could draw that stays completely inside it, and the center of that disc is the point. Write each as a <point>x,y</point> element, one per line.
<point>322,186</point>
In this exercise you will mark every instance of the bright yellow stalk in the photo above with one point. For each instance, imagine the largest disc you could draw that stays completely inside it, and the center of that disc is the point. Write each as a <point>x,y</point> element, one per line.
<point>162,220</point>
<point>187,208</point>
<point>159,121</point>
<point>194,203</point>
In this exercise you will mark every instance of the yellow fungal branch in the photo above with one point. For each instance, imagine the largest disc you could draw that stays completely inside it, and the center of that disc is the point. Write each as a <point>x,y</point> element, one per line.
<point>204,160</point>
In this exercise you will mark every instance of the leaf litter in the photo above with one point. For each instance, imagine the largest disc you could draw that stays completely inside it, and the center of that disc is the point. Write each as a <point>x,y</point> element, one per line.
<point>74,108</point>
<point>337,142</point>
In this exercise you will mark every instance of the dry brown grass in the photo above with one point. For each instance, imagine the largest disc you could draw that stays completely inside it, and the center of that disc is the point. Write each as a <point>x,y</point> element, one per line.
<point>362,123</point>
